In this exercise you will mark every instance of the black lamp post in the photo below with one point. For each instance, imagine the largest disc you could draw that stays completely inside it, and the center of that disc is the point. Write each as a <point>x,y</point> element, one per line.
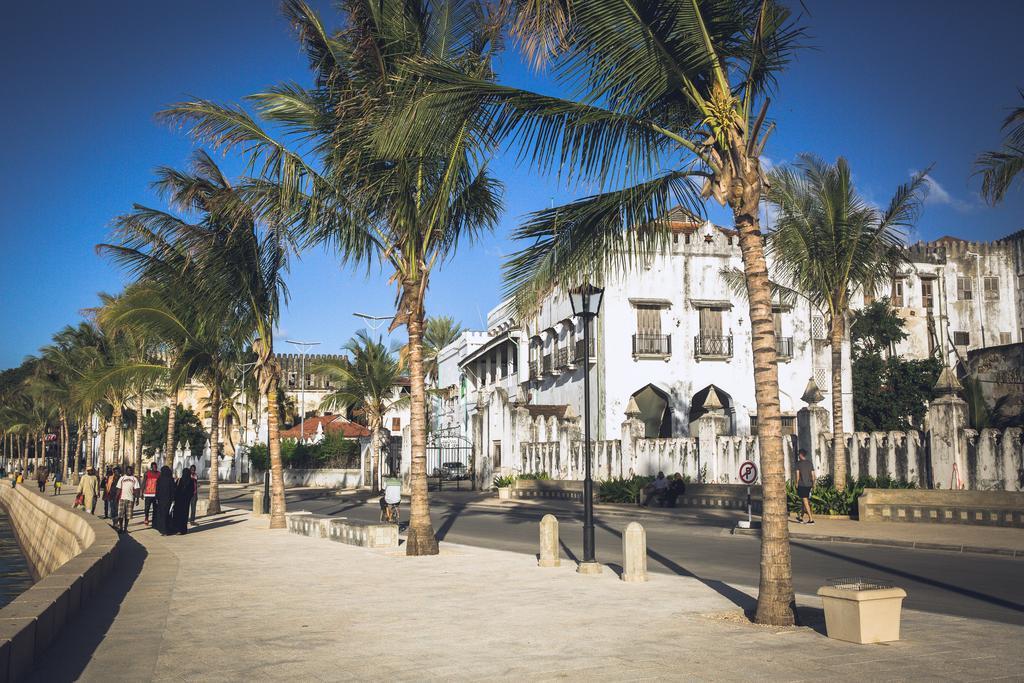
<point>586,304</point>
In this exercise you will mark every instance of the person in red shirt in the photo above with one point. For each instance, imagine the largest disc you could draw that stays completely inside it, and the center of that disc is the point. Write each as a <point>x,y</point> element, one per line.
<point>149,490</point>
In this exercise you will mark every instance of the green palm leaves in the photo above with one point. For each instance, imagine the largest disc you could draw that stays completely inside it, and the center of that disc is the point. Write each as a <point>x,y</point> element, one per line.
<point>999,168</point>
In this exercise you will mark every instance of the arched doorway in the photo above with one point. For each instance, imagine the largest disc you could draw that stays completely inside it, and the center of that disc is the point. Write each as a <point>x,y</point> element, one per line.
<point>700,398</point>
<point>655,411</point>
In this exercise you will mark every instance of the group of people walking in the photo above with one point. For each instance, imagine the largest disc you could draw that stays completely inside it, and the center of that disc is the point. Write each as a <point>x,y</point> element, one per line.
<point>171,501</point>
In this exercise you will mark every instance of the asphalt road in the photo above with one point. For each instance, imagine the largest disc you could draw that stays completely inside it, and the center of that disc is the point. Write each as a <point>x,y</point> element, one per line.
<point>966,585</point>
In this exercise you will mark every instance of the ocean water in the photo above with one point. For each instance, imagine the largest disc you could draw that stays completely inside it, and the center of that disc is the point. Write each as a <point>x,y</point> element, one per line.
<point>15,577</point>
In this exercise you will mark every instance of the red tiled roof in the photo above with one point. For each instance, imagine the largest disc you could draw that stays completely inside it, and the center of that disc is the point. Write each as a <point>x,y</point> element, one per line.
<point>332,424</point>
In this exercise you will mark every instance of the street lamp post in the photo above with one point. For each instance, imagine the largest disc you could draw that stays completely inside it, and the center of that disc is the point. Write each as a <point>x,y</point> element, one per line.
<point>586,304</point>
<point>302,347</point>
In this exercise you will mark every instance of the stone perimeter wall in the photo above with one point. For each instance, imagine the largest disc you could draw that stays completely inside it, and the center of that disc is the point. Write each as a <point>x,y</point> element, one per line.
<point>70,554</point>
<point>325,478</point>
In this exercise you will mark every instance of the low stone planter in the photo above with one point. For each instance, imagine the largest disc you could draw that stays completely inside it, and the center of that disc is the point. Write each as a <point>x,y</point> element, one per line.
<point>505,493</point>
<point>862,611</point>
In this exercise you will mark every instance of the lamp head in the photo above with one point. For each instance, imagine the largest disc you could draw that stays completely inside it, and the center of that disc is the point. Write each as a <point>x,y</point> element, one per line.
<point>586,300</point>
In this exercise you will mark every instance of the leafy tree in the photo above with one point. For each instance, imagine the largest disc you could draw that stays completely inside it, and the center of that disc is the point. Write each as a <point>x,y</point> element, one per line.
<point>999,168</point>
<point>407,208</point>
<point>670,93</point>
<point>188,429</point>
<point>890,393</point>
<point>829,242</point>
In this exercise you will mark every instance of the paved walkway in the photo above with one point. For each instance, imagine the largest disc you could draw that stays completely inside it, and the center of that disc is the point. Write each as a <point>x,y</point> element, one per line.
<point>235,601</point>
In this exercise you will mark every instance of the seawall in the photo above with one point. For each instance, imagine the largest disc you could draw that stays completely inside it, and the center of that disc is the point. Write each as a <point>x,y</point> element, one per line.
<point>69,553</point>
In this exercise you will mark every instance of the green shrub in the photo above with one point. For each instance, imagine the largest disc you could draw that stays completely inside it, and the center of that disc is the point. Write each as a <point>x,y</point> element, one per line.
<point>505,481</point>
<point>826,500</point>
<point>259,456</point>
<point>622,490</point>
<point>535,475</point>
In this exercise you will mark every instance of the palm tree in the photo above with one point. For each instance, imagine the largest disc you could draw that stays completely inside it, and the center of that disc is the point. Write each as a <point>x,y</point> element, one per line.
<point>408,210</point>
<point>366,381</point>
<point>238,266</point>
<point>827,243</point>
<point>670,92</point>
<point>999,168</point>
<point>440,331</point>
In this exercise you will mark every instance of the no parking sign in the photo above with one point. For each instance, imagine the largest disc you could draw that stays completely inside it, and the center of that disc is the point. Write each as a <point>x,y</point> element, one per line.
<point>748,473</point>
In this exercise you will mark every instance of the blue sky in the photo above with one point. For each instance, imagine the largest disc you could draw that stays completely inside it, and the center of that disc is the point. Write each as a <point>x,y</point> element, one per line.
<point>893,86</point>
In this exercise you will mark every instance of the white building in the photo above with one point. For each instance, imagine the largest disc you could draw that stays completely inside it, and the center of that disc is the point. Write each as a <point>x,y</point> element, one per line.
<point>672,328</point>
<point>668,332</point>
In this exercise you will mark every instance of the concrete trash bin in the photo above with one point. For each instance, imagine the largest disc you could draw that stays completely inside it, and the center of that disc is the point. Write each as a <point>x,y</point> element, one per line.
<point>861,610</point>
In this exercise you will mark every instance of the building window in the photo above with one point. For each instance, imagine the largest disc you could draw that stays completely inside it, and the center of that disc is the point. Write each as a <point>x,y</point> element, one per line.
<point>964,289</point>
<point>783,345</point>
<point>897,292</point>
<point>927,295</point>
<point>817,327</point>
<point>1004,338</point>
<point>496,454</point>
<point>648,340</point>
<point>712,341</point>
<point>992,288</point>
<point>396,424</point>
<point>961,338</point>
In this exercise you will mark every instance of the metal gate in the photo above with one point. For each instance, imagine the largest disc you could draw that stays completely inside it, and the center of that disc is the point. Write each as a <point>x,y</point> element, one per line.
<point>449,459</point>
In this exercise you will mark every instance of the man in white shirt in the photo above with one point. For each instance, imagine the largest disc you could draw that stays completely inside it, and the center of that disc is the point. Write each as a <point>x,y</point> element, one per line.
<point>127,495</point>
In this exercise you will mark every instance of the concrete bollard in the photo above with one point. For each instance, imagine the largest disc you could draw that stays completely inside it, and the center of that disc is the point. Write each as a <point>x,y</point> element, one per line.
<point>257,502</point>
<point>634,553</point>
<point>549,555</point>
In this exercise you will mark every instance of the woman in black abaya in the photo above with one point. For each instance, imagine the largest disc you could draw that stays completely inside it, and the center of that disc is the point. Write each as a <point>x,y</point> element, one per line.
<point>164,498</point>
<point>182,496</point>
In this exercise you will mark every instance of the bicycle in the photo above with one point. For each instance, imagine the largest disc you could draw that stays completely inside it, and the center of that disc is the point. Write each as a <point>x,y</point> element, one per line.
<point>389,514</point>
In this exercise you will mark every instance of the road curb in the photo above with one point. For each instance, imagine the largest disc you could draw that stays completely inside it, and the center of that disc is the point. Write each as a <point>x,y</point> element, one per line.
<point>893,543</point>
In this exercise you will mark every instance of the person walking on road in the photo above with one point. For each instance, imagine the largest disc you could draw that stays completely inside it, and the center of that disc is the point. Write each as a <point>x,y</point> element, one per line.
<point>164,498</point>
<point>108,491</point>
<point>182,499</point>
<point>804,482</point>
<point>149,491</point>
<point>195,495</point>
<point>41,476</point>
<point>58,481</point>
<point>127,497</point>
<point>89,487</point>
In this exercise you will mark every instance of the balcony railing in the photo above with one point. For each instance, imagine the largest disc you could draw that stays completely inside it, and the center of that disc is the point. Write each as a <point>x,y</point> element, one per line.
<point>578,357</point>
<point>561,359</point>
<point>711,346</point>
<point>534,370</point>
<point>652,345</point>
<point>784,347</point>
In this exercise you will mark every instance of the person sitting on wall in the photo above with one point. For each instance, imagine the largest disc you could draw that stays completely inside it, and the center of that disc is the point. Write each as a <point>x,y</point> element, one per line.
<point>676,488</point>
<point>657,488</point>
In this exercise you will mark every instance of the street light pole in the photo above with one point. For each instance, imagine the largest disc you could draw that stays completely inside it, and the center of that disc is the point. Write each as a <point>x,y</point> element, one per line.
<point>302,346</point>
<point>586,303</point>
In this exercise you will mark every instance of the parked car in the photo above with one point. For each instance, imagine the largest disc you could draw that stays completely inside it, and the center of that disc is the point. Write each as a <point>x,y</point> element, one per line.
<point>452,471</point>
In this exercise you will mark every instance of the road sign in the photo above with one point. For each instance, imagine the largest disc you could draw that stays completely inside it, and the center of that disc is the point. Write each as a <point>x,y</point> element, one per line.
<point>748,472</point>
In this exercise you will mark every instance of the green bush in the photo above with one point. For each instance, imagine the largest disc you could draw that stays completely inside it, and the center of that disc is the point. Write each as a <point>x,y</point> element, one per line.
<point>827,500</point>
<point>622,490</point>
<point>535,475</point>
<point>333,452</point>
<point>505,481</point>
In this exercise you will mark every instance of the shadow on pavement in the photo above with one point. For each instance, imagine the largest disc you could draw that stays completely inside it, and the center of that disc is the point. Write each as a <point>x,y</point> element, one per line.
<point>737,597</point>
<point>213,525</point>
<point>71,651</point>
<point>959,590</point>
<point>449,519</point>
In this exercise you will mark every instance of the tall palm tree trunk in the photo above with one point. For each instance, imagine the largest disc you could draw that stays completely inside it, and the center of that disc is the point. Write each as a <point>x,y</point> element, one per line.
<point>277,503</point>
<point>375,437</point>
<point>421,539</point>
<point>139,407</point>
<point>172,410</point>
<point>101,463</point>
<point>117,460</point>
<point>65,443</point>
<point>214,489</point>
<point>24,454</point>
<point>775,598</point>
<point>838,438</point>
